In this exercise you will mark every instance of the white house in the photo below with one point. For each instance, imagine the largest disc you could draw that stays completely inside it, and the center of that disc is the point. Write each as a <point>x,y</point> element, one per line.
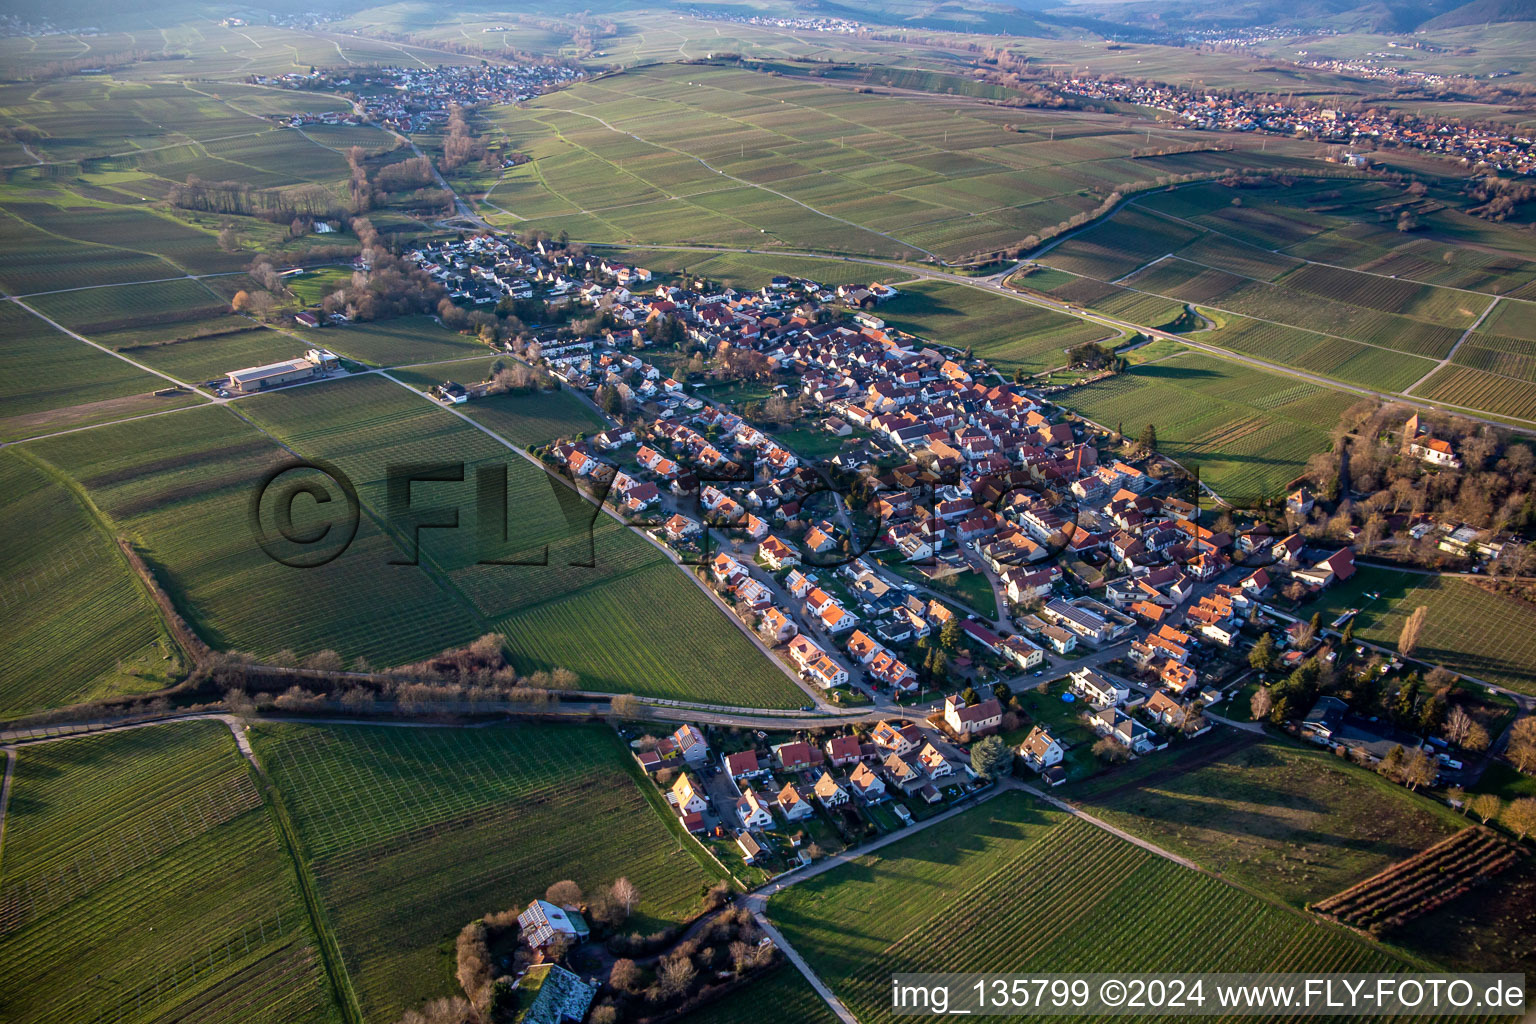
<point>1101,690</point>
<point>688,794</point>
<point>829,792</point>
<point>1040,749</point>
<point>794,806</point>
<point>752,811</point>
<point>1123,729</point>
<point>934,762</point>
<point>972,720</point>
<point>867,784</point>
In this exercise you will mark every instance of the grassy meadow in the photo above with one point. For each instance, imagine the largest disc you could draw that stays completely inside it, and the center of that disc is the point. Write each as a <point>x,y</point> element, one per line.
<point>1275,816</point>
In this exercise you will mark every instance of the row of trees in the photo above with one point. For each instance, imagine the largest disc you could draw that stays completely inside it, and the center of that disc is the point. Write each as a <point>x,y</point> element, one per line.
<point>240,198</point>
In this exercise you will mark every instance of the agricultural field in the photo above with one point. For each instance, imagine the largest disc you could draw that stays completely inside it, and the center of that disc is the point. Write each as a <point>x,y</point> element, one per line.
<point>180,487</point>
<point>79,626</point>
<point>1376,308</point>
<point>1013,886</point>
<point>527,419</point>
<point>1429,879</point>
<point>1478,389</point>
<point>403,341</point>
<point>564,584</point>
<point>1008,333</point>
<point>1488,636</point>
<point>681,154</point>
<point>1489,928</point>
<point>145,861</point>
<point>1280,818</point>
<point>751,270</point>
<point>1250,431</point>
<point>412,832</point>
<point>785,990</point>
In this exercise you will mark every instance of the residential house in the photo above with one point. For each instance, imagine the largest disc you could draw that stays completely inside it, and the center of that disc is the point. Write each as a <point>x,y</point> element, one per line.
<point>1040,749</point>
<point>934,763</point>
<point>972,720</point>
<point>893,740</point>
<point>1123,729</point>
<point>829,792</point>
<point>776,627</point>
<point>902,773</point>
<point>1165,709</point>
<point>867,784</point>
<point>688,795</point>
<point>1100,689</point>
<point>792,805</point>
<point>750,848</point>
<point>690,743</point>
<point>744,765</point>
<point>752,811</point>
<point>797,754</point>
<point>842,750</point>
<point>778,555</point>
<point>544,925</point>
<point>1022,652</point>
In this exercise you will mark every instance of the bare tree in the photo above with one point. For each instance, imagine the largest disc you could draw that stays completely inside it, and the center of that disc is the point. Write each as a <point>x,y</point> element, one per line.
<point>1522,745</point>
<point>1485,806</point>
<point>564,893</point>
<point>1261,703</point>
<point>624,975</point>
<point>1419,770</point>
<point>675,975</point>
<point>626,894</point>
<point>451,1010</point>
<point>625,705</point>
<point>474,963</point>
<point>1520,816</point>
<point>1457,724</point>
<point>1408,639</point>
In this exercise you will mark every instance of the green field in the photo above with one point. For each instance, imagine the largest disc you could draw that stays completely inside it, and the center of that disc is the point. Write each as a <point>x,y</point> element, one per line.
<point>680,154</point>
<point>144,881</point>
<point>53,382</point>
<point>1485,635</point>
<point>1344,295</point>
<point>1008,333</point>
<point>784,990</point>
<point>750,270</point>
<point>413,832</point>
<point>180,486</point>
<point>528,419</point>
<point>79,626</point>
<point>1479,389</point>
<point>1250,431</point>
<point>600,600</point>
<point>1282,819</point>
<point>403,341</point>
<point>1012,887</point>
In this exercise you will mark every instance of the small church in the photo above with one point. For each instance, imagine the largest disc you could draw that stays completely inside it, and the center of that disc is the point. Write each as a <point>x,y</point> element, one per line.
<point>1425,447</point>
